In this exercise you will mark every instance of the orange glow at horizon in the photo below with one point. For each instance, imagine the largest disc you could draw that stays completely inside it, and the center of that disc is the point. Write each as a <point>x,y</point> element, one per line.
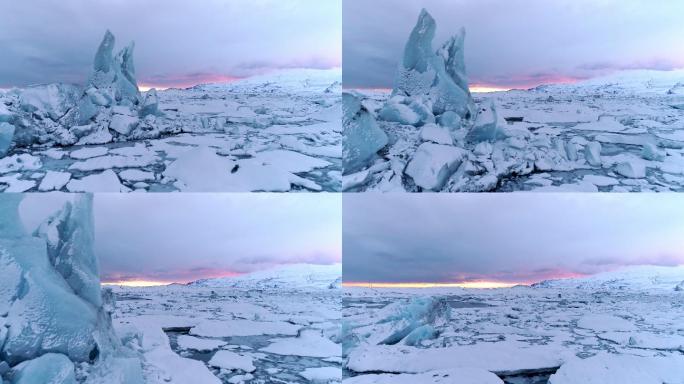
<point>142,282</point>
<point>187,83</point>
<point>477,88</point>
<point>136,283</point>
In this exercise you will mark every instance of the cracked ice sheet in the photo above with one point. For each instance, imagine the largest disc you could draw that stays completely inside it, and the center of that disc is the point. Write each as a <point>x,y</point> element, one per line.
<point>296,110</point>
<point>158,319</point>
<point>633,315</point>
<point>202,170</point>
<point>625,113</point>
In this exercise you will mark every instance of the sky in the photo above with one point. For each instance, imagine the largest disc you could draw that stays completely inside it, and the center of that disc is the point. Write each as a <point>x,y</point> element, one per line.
<point>178,43</point>
<point>507,238</point>
<point>517,43</point>
<point>167,237</point>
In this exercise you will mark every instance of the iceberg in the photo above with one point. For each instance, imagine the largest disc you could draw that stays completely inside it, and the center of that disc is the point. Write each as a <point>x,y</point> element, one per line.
<point>432,164</point>
<point>438,77</point>
<point>54,313</point>
<point>362,136</point>
<point>6,136</point>
<point>486,126</point>
<point>51,368</point>
<point>69,236</point>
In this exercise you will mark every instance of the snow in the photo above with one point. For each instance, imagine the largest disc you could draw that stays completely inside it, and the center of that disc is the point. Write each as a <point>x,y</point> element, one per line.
<point>277,132</point>
<point>54,181</point>
<point>56,320</point>
<point>275,324</point>
<point>308,343</point>
<point>135,175</point>
<point>123,124</point>
<point>106,181</point>
<point>212,328</point>
<point>632,169</point>
<point>362,136</point>
<point>231,360</point>
<point>88,152</point>
<point>168,367</point>
<point>447,376</point>
<point>438,77</point>
<point>436,134</point>
<point>50,368</point>
<point>503,358</point>
<point>432,164</point>
<point>399,113</point>
<point>190,342</point>
<point>621,326</point>
<point>6,136</point>
<point>70,239</point>
<point>322,375</point>
<point>605,323</point>
<point>621,126</point>
<point>16,163</point>
<point>618,369</point>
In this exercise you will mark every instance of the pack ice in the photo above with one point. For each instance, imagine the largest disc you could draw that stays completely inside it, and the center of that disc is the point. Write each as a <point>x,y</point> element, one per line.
<point>621,327</point>
<point>275,132</point>
<point>55,322</point>
<point>271,326</point>
<point>619,133</point>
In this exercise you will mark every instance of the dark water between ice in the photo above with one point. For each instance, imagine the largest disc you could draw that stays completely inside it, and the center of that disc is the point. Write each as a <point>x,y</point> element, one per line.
<point>289,366</point>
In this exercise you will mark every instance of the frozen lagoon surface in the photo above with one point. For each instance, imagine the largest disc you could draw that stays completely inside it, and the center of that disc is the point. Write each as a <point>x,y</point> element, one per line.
<point>276,132</point>
<point>275,326</point>
<point>620,133</point>
<point>618,327</point>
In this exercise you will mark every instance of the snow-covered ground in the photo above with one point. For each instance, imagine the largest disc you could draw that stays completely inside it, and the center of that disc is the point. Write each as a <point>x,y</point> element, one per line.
<point>623,132</point>
<point>274,326</point>
<point>275,132</point>
<point>618,327</point>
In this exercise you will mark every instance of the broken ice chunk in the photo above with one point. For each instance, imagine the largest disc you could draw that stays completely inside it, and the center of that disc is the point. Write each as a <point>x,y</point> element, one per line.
<point>6,136</point>
<point>633,169</point>
<point>106,181</point>
<point>592,153</point>
<point>651,152</point>
<point>399,113</point>
<point>362,136</point>
<point>436,134</point>
<point>54,181</point>
<point>123,124</point>
<point>50,368</point>
<point>231,360</point>
<point>432,164</point>
<point>486,126</point>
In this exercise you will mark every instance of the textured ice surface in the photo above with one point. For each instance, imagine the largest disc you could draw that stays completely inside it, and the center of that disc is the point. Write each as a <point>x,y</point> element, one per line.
<point>269,326</point>
<point>70,239</point>
<point>6,136</point>
<point>53,312</point>
<point>615,327</point>
<point>436,77</point>
<point>447,376</point>
<point>432,164</point>
<point>607,368</point>
<point>362,136</point>
<point>102,126</point>
<point>50,368</point>
<point>552,138</point>
<point>232,361</point>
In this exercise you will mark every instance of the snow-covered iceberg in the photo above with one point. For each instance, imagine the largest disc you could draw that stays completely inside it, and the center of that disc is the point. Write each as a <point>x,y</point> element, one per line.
<point>618,133</point>
<point>437,79</point>
<point>280,131</point>
<point>53,312</point>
